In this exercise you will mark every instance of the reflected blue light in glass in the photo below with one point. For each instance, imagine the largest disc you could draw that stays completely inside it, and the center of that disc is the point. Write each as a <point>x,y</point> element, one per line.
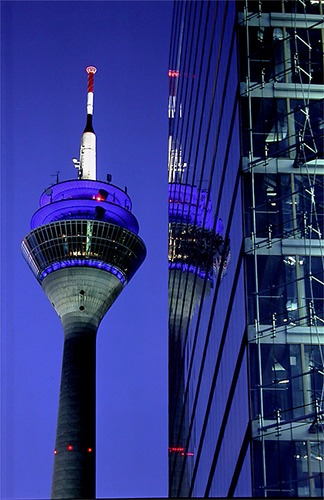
<point>191,269</point>
<point>189,205</point>
<point>83,263</point>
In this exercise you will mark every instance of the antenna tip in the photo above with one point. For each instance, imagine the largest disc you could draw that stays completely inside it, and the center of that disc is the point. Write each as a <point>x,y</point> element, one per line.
<point>91,69</point>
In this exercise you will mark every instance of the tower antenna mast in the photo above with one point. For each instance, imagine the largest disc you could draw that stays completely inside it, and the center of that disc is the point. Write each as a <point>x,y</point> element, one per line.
<point>87,167</point>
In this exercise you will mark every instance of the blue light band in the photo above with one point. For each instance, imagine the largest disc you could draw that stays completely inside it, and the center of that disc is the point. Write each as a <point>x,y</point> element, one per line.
<point>83,263</point>
<point>191,269</point>
<point>190,205</point>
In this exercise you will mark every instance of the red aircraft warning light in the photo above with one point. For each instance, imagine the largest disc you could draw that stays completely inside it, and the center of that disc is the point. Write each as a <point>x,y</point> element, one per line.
<point>181,451</point>
<point>176,449</point>
<point>173,73</point>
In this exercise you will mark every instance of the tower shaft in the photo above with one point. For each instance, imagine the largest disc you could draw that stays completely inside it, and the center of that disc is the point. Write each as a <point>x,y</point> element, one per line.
<point>81,297</point>
<point>74,466</point>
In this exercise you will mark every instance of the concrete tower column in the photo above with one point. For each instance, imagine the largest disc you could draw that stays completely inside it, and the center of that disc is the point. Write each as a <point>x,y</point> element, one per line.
<point>74,465</point>
<point>81,297</point>
<point>181,311</point>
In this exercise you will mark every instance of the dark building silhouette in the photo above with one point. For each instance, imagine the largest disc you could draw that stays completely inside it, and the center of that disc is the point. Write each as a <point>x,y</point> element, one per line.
<point>246,325</point>
<point>83,249</point>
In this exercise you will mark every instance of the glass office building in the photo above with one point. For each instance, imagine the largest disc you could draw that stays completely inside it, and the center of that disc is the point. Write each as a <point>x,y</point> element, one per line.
<point>246,284</point>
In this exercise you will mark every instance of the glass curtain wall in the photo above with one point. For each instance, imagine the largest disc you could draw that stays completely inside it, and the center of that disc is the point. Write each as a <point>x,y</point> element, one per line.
<point>281,75</point>
<point>246,327</point>
<point>208,375</point>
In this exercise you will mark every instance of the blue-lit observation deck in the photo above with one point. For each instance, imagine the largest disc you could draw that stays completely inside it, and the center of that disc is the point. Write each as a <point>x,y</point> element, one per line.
<point>85,223</point>
<point>196,243</point>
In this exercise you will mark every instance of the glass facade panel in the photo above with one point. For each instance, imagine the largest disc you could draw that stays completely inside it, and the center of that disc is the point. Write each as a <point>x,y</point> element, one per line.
<point>246,338</point>
<point>205,153</point>
<point>283,200</point>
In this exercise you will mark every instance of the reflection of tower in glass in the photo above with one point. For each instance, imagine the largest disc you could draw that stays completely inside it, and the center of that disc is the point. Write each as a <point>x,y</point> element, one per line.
<point>83,249</point>
<point>197,253</point>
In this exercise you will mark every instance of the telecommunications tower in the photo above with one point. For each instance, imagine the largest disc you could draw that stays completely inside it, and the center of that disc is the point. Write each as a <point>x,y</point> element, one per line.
<point>83,248</point>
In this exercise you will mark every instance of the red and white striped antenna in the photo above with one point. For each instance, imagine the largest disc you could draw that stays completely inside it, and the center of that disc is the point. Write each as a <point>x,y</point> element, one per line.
<point>87,164</point>
<point>91,70</point>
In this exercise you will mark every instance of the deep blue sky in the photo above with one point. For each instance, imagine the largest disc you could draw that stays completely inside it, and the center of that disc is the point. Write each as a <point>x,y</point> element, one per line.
<point>45,49</point>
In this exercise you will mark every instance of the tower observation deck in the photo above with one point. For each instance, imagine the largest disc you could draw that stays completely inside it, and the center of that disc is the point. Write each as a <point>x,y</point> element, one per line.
<point>83,249</point>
